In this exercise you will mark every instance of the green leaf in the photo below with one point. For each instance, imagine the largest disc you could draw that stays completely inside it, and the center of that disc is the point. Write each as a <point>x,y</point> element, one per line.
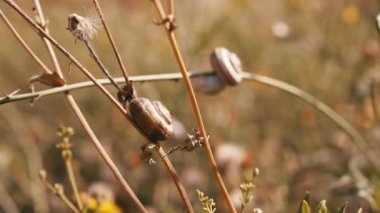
<point>304,207</point>
<point>306,200</point>
<point>342,209</point>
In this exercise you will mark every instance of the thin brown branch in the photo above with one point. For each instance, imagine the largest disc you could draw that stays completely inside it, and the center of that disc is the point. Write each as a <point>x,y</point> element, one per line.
<point>374,99</point>
<point>104,154</point>
<point>110,38</point>
<point>175,177</point>
<point>43,24</point>
<point>73,182</point>
<point>167,162</point>
<point>65,52</point>
<point>70,87</point>
<point>180,61</point>
<point>84,70</point>
<point>23,43</point>
<point>283,86</point>
<point>85,124</point>
<point>171,7</point>
<point>70,57</point>
<point>95,56</point>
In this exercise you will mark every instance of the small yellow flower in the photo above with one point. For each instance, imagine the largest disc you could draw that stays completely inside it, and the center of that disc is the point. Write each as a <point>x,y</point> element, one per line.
<point>88,201</point>
<point>350,14</point>
<point>104,206</point>
<point>108,207</point>
<point>92,203</point>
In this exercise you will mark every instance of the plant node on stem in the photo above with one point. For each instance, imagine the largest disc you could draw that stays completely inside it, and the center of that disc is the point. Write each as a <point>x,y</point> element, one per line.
<point>65,145</point>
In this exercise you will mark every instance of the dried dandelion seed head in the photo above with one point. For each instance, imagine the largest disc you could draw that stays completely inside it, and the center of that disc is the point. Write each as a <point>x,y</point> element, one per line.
<point>82,28</point>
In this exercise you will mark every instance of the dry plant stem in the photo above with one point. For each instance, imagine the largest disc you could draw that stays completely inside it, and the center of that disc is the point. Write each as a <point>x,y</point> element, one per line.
<point>43,24</point>
<point>92,78</point>
<point>348,128</point>
<point>73,182</point>
<point>104,154</point>
<point>89,131</point>
<point>360,142</point>
<point>295,91</point>
<point>177,53</point>
<point>66,200</point>
<point>304,96</point>
<point>23,43</point>
<point>171,7</point>
<point>64,52</point>
<point>374,99</point>
<point>61,194</point>
<point>169,166</point>
<point>100,64</point>
<point>159,149</point>
<point>85,84</point>
<point>110,38</point>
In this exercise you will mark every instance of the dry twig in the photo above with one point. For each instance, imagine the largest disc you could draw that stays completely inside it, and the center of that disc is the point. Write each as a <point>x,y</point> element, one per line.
<point>169,25</point>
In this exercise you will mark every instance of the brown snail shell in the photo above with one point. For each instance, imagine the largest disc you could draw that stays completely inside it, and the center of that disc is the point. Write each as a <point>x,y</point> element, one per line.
<point>152,118</point>
<point>227,66</point>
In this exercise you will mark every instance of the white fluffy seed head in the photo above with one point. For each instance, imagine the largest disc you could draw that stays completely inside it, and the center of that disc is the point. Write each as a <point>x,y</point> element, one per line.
<point>82,28</point>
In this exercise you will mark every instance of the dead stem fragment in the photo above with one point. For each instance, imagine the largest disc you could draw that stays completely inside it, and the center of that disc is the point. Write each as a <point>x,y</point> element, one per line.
<point>173,42</point>
<point>193,141</point>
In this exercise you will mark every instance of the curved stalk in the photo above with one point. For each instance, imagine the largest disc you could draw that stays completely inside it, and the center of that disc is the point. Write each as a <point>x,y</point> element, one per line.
<point>357,138</point>
<point>293,90</point>
<point>85,84</point>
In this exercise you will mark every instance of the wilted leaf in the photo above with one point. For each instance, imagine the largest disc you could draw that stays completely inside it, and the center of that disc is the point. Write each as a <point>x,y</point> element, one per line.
<point>48,79</point>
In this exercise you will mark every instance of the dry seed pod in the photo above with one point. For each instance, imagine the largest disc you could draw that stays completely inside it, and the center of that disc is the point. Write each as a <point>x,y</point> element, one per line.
<point>82,28</point>
<point>152,118</point>
<point>227,65</point>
